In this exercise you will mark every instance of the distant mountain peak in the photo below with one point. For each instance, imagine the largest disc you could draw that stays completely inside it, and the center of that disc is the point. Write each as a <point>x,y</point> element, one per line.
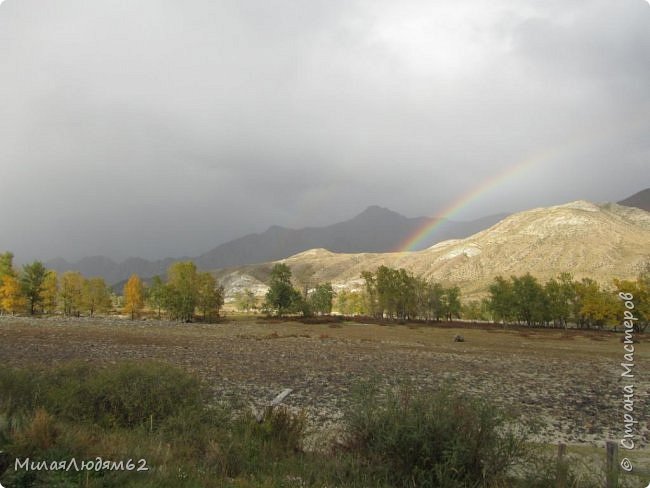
<point>375,211</point>
<point>639,200</point>
<point>372,208</point>
<point>276,228</point>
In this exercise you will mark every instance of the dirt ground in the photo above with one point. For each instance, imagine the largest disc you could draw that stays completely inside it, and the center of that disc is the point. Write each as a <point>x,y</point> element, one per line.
<point>570,381</point>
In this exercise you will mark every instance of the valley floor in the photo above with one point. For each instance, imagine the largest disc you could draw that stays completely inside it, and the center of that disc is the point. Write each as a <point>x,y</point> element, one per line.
<point>570,381</point>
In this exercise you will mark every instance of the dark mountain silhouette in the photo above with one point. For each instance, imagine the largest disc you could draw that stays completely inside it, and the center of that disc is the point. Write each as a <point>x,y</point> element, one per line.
<point>639,200</point>
<point>376,229</point>
<point>110,270</point>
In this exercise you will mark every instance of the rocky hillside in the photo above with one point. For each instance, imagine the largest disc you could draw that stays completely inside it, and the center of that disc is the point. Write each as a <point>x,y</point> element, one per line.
<point>589,240</point>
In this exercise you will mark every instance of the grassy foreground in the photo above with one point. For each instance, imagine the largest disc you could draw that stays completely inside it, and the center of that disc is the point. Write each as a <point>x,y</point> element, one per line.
<point>160,414</point>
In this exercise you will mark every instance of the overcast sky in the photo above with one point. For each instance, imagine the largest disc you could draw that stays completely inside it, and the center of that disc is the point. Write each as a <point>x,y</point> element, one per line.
<point>163,128</point>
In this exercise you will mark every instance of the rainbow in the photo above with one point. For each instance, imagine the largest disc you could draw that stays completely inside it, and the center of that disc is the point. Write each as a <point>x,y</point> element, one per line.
<point>575,141</point>
<point>415,240</point>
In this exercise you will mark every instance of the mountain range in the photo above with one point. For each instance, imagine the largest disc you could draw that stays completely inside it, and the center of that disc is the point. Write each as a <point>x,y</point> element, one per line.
<point>376,229</point>
<point>598,241</point>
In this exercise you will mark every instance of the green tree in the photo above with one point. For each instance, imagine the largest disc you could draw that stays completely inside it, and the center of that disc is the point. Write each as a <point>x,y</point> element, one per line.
<point>501,300</point>
<point>210,297</point>
<point>321,299</point>
<point>282,297</point>
<point>6,265</point>
<point>32,279</point>
<point>396,292</point>
<point>561,295</point>
<point>370,297</point>
<point>96,296</point>
<point>157,295</point>
<point>182,290</point>
<point>387,290</point>
<point>434,306</point>
<point>530,301</point>
<point>407,306</point>
<point>451,302</point>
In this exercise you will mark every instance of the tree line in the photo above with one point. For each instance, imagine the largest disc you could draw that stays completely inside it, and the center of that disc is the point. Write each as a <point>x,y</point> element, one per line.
<point>185,292</point>
<point>282,298</point>
<point>522,300</point>
<point>561,301</point>
<point>34,289</point>
<point>388,293</point>
<point>398,294</point>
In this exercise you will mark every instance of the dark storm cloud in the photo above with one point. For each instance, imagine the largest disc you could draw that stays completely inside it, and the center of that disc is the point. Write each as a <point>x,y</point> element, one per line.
<point>158,128</point>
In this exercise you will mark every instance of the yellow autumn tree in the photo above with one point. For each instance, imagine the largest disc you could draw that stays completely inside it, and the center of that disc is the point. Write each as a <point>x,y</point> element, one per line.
<point>640,291</point>
<point>71,293</point>
<point>50,292</point>
<point>96,296</point>
<point>133,296</point>
<point>11,297</point>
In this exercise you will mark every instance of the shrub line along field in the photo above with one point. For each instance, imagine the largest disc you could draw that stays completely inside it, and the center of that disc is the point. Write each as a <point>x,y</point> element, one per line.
<point>569,380</point>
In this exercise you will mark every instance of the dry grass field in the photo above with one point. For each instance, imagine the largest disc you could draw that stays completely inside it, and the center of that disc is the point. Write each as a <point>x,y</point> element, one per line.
<point>569,381</point>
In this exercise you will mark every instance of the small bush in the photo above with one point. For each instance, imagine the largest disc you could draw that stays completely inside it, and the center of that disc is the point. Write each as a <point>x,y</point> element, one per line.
<point>41,433</point>
<point>282,428</point>
<point>124,395</point>
<point>438,439</point>
<point>21,391</point>
<point>542,469</point>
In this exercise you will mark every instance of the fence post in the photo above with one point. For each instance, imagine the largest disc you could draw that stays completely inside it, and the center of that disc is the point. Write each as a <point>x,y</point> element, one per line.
<point>612,464</point>
<point>561,474</point>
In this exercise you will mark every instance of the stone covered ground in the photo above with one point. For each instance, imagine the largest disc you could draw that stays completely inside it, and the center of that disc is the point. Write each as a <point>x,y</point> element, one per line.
<point>570,381</point>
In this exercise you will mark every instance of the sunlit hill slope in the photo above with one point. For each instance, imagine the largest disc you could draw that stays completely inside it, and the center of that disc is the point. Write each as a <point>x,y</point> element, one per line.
<point>590,240</point>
